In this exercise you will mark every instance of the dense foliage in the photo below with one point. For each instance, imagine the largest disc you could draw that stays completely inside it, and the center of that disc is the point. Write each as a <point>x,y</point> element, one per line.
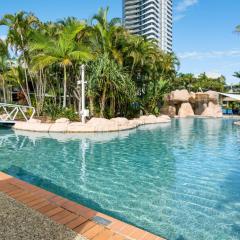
<point>199,83</point>
<point>125,73</point>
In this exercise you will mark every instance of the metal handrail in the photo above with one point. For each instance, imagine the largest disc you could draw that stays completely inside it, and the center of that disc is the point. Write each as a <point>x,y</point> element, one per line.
<point>11,111</point>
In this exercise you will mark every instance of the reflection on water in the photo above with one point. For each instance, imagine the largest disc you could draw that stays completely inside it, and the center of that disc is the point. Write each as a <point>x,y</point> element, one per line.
<point>178,180</point>
<point>61,137</point>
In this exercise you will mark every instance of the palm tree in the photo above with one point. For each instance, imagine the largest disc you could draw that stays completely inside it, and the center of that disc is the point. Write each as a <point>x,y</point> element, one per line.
<point>20,26</point>
<point>237,74</point>
<point>62,50</point>
<point>105,34</point>
<point>4,57</point>
<point>112,83</point>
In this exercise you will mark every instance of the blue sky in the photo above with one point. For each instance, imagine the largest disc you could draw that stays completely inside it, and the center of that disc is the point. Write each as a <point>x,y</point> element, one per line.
<point>203,29</point>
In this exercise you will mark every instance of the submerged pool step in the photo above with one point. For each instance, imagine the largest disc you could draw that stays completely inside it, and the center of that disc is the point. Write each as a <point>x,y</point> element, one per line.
<point>101,220</point>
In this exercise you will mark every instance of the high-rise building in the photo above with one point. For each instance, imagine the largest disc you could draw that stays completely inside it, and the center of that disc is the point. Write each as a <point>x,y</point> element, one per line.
<point>150,18</point>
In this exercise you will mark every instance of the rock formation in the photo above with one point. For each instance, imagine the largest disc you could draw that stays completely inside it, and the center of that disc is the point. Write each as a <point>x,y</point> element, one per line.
<point>185,104</point>
<point>185,110</point>
<point>179,96</point>
<point>93,125</point>
<point>213,110</point>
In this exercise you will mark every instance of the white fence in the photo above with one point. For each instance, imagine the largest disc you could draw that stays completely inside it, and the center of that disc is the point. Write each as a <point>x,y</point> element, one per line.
<point>9,112</point>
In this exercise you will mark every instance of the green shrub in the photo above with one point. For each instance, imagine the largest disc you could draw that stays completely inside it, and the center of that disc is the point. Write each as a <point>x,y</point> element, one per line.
<point>54,112</point>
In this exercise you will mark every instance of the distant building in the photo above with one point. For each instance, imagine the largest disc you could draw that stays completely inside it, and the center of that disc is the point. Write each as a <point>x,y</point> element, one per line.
<point>150,18</point>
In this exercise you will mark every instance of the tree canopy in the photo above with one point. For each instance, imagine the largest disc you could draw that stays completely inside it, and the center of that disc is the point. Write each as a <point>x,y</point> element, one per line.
<point>125,73</point>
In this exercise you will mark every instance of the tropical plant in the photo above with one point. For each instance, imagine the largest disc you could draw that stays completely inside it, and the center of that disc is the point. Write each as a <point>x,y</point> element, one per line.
<point>4,66</point>
<point>63,51</point>
<point>125,72</point>
<point>199,83</point>
<point>20,26</point>
<point>110,84</point>
<point>237,74</point>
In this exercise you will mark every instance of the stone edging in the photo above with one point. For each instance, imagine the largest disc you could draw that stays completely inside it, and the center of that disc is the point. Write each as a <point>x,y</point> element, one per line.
<point>92,126</point>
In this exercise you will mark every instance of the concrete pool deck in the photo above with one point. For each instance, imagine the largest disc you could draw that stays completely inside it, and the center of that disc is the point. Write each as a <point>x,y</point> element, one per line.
<point>19,222</point>
<point>29,211</point>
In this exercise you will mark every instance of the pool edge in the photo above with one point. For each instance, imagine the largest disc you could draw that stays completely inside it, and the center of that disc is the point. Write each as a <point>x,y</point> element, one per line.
<point>85,221</point>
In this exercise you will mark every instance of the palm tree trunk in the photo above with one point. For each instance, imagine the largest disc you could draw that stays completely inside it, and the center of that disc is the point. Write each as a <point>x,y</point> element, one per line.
<point>91,105</point>
<point>112,106</point>
<point>4,91</point>
<point>25,73</point>
<point>65,87</point>
<point>103,100</point>
<point>27,88</point>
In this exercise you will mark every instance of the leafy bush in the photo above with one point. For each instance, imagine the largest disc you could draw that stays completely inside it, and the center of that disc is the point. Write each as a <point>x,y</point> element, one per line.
<point>70,114</point>
<point>55,112</point>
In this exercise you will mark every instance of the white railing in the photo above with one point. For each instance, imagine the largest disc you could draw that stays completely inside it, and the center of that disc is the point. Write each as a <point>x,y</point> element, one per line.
<point>10,112</point>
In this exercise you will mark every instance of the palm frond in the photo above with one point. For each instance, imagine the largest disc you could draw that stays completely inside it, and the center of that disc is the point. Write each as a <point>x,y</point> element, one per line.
<point>42,61</point>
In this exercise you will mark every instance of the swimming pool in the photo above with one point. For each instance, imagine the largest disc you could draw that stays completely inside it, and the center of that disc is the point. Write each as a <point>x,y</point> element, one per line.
<point>179,180</point>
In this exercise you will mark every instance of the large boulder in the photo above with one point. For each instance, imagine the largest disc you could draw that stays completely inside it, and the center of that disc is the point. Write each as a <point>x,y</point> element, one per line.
<point>213,96</point>
<point>120,121</point>
<point>34,127</point>
<point>99,121</point>
<point>185,110</point>
<point>169,110</point>
<point>192,98</point>
<point>151,119</point>
<point>62,120</point>
<point>148,119</point>
<point>76,127</point>
<point>33,120</point>
<point>103,125</point>
<point>179,96</point>
<point>213,110</point>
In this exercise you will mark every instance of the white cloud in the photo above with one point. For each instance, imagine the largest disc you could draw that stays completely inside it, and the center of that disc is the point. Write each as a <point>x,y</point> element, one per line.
<point>213,74</point>
<point>178,17</point>
<point>211,54</point>
<point>182,7</point>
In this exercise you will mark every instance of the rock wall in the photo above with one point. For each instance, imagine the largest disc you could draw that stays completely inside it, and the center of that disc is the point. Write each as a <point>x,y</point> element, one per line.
<point>185,110</point>
<point>94,125</point>
<point>181,103</point>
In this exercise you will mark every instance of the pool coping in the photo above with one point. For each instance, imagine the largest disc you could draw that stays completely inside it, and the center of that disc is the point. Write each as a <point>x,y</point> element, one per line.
<point>87,222</point>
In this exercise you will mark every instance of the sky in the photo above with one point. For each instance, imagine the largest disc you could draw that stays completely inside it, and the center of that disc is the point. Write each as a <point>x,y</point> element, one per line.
<point>204,38</point>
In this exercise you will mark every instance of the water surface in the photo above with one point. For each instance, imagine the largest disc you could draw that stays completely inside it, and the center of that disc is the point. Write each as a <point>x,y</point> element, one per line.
<point>179,180</point>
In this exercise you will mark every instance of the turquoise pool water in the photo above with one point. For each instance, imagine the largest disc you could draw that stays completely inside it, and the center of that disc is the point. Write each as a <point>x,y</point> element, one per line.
<point>179,180</point>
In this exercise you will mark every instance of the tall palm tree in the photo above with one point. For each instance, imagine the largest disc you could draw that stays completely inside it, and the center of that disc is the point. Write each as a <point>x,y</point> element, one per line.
<point>105,34</point>
<point>62,50</point>
<point>20,26</point>
<point>4,57</point>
